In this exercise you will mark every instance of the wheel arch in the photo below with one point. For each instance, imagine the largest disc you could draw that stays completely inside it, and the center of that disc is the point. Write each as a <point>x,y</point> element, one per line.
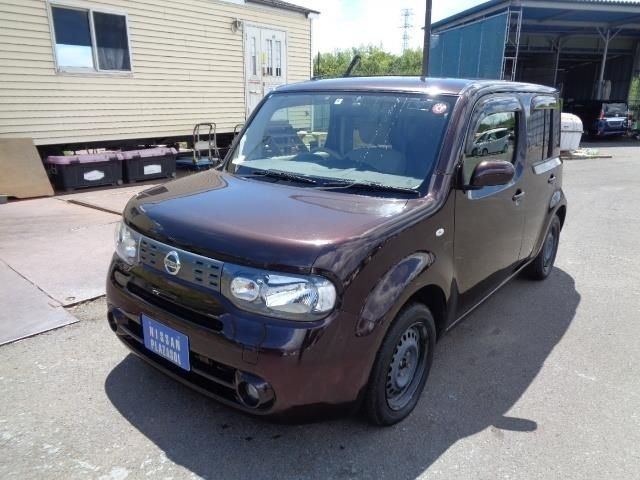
<point>562,214</point>
<point>433,297</point>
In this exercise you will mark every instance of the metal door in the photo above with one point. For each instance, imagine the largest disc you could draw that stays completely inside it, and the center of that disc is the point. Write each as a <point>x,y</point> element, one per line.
<point>265,63</point>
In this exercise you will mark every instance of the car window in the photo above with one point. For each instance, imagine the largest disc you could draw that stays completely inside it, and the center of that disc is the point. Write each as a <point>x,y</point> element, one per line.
<point>611,110</point>
<point>494,139</point>
<point>543,131</point>
<point>390,139</point>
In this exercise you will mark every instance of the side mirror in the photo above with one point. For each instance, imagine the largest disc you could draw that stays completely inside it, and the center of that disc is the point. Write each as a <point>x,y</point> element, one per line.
<point>490,173</point>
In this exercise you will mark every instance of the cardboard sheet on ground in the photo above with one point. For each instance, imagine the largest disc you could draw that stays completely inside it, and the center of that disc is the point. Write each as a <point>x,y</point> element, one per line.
<point>25,309</point>
<point>62,248</point>
<point>22,174</point>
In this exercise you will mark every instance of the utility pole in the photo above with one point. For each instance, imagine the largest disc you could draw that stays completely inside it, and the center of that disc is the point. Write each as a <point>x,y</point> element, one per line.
<point>407,14</point>
<point>427,40</point>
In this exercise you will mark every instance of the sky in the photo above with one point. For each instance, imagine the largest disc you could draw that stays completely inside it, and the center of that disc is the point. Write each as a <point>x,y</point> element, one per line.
<point>347,23</point>
<point>352,23</point>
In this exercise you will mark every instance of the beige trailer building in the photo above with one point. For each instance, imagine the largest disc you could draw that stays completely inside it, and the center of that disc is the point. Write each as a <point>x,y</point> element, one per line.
<point>94,73</point>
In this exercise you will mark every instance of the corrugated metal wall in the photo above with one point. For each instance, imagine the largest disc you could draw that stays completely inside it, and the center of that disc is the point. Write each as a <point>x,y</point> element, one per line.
<point>471,51</point>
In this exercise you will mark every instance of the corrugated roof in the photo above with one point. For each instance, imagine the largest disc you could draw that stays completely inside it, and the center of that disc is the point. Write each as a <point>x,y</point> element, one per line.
<point>597,8</point>
<point>283,5</point>
<point>607,2</point>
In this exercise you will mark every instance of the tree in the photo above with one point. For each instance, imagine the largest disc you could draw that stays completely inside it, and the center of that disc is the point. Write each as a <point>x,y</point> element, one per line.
<point>374,61</point>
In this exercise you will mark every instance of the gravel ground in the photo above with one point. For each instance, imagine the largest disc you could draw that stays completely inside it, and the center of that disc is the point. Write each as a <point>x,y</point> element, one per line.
<point>539,383</point>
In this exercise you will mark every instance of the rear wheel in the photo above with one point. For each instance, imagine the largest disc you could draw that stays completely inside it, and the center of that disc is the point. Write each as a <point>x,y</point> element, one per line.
<point>402,366</point>
<point>485,152</point>
<point>542,266</point>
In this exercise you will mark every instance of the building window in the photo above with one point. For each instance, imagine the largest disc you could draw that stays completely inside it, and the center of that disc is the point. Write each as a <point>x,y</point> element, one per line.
<point>269,67</point>
<point>278,58</point>
<point>88,40</point>
<point>73,38</point>
<point>254,57</point>
<point>112,42</point>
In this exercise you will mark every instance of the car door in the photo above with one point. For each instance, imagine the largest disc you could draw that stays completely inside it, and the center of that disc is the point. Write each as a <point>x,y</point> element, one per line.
<point>542,172</point>
<point>492,144</point>
<point>489,222</point>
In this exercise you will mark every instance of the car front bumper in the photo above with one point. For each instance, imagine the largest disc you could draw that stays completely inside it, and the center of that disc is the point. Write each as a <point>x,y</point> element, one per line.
<point>302,369</point>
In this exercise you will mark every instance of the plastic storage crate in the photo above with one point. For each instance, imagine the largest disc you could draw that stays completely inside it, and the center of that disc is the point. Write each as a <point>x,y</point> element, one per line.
<point>81,171</point>
<point>149,163</point>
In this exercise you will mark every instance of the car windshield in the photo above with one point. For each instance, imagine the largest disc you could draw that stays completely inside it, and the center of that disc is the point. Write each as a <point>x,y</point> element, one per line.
<point>378,139</point>
<point>615,110</point>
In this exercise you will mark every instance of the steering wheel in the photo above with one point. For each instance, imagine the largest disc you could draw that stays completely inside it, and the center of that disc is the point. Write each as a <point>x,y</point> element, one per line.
<point>331,152</point>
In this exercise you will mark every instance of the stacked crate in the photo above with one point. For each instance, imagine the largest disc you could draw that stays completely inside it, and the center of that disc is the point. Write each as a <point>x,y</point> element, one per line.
<point>111,168</point>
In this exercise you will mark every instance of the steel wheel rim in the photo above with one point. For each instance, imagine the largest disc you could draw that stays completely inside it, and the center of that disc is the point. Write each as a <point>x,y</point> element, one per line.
<point>407,367</point>
<point>549,248</point>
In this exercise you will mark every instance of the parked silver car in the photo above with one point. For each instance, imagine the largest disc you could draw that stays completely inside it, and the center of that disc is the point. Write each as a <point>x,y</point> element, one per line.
<point>492,141</point>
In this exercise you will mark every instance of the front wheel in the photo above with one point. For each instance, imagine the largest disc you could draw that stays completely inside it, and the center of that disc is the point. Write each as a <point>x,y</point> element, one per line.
<point>401,367</point>
<point>542,265</point>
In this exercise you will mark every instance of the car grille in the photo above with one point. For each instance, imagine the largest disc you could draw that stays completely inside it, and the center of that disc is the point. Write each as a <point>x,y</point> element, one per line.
<point>207,320</point>
<point>196,269</point>
<point>614,124</point>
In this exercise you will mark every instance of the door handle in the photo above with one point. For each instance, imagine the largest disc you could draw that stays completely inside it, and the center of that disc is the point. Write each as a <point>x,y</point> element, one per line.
<point>552,179</point>
<point>519,196</point>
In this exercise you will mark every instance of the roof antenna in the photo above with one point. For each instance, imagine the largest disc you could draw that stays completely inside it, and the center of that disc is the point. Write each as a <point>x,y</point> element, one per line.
<point>354,62</point>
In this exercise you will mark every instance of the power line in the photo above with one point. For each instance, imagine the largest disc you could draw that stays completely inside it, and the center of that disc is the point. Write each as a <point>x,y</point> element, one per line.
<point>407,15</point>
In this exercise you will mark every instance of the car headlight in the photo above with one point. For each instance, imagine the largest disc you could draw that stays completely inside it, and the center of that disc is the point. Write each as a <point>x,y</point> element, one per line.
<point>127,243</point>
<point>293,297</point>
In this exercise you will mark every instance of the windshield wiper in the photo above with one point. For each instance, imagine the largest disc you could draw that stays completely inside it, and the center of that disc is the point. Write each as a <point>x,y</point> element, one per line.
<point>371,186</point>
<point>282,175</point>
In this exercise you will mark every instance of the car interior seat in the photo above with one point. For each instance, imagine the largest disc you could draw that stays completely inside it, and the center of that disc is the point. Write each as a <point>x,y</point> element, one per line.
<point>378,152</point>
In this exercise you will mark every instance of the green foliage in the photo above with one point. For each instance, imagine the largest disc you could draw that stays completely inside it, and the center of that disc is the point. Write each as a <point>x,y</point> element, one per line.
<point>374,61</point>
<point>634,93</point>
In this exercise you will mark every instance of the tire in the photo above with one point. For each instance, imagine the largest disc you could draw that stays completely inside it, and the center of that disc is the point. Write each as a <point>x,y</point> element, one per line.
<point>540,268</point>
<point>485,152</point>
<point>396,382</point>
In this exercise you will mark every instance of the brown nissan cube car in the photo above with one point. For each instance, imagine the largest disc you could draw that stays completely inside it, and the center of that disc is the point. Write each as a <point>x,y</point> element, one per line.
<point>352,224</point>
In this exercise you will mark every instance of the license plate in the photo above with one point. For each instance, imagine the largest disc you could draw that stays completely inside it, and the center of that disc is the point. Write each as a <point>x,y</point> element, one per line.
<point>166,342</point>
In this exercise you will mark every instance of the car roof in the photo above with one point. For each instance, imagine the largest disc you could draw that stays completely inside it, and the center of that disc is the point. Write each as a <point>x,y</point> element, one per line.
<point>443,86</point>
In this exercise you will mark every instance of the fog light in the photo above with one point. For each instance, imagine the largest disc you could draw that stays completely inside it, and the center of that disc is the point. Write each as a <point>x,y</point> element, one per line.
<point>252,392</point>
<point>249,394</point>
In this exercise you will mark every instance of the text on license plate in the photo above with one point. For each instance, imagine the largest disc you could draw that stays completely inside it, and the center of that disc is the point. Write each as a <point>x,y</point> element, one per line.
<point>166,342</point>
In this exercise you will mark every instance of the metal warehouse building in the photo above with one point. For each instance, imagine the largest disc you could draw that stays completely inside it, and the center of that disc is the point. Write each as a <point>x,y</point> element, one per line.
<point>588,49</point>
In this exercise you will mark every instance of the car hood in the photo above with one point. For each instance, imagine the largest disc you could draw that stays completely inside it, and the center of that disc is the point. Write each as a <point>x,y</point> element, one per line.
<point>256,222</point>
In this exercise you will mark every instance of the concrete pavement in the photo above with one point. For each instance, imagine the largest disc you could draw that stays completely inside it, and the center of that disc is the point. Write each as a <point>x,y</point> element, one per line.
<point>539,383</point>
